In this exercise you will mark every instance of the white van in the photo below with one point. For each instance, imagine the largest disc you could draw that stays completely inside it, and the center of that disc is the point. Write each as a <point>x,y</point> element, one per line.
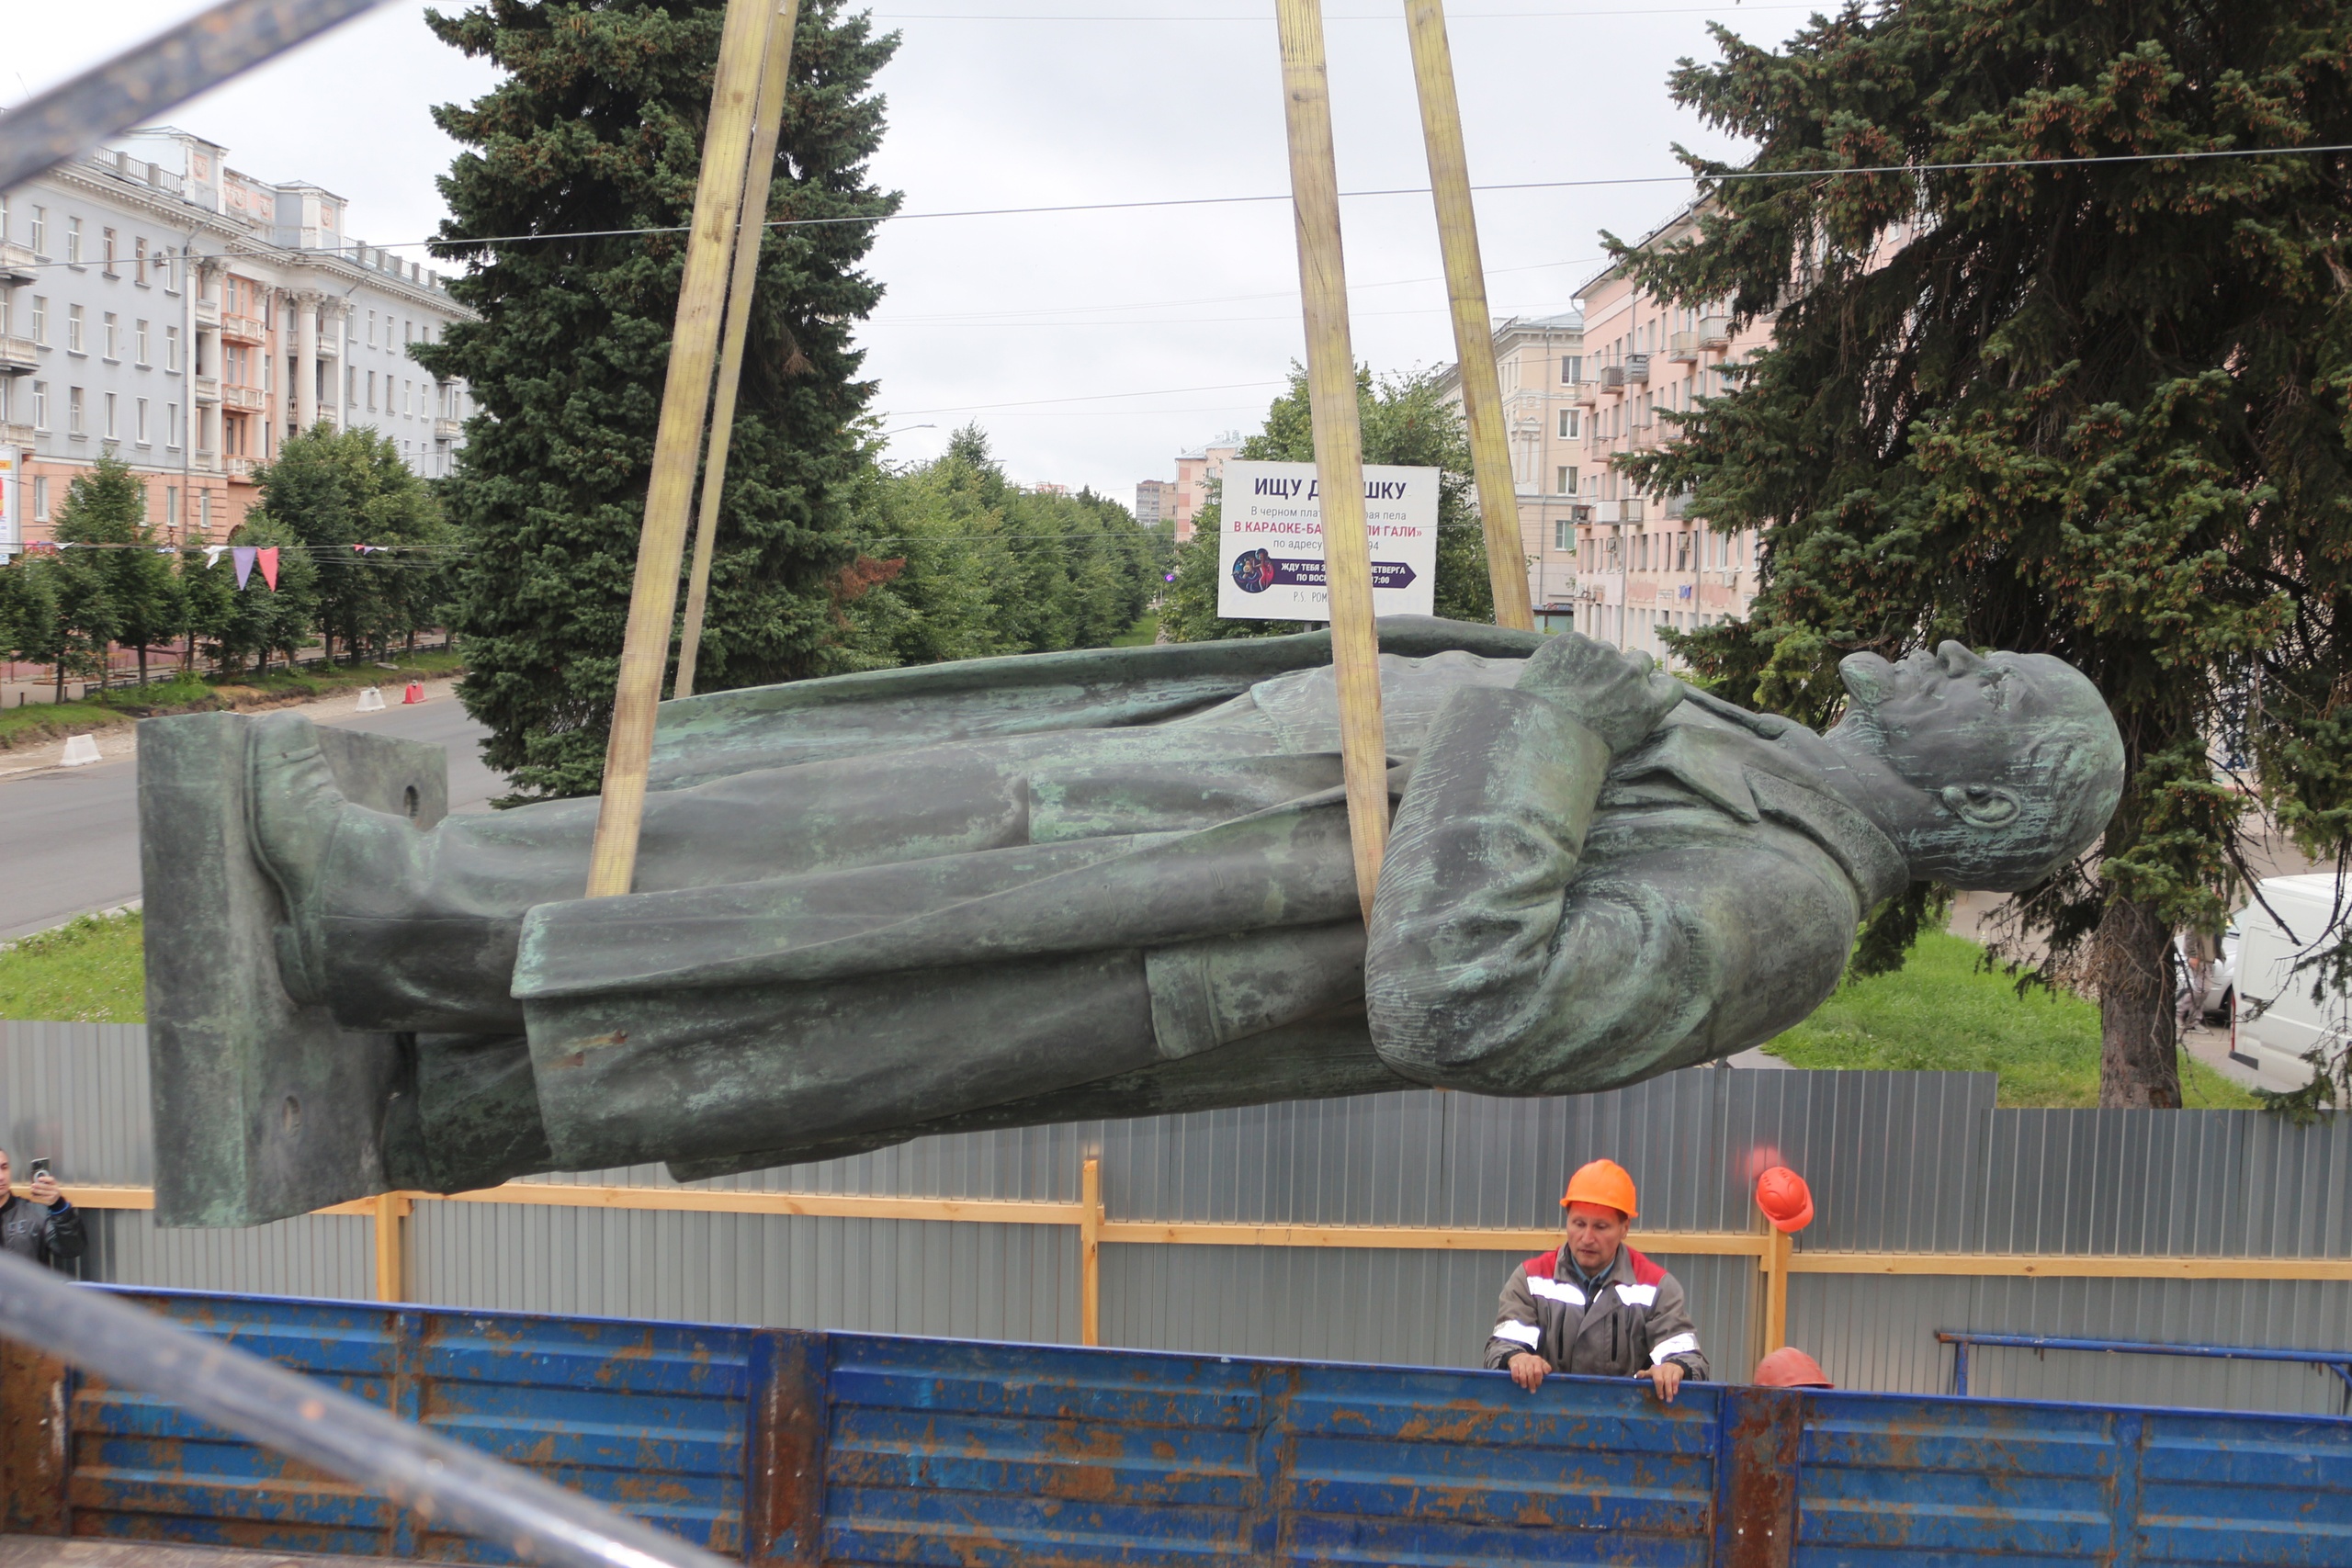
<point>2277,1021</point>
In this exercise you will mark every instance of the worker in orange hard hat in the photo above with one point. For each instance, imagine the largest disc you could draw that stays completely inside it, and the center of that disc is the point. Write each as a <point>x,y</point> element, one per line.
<point>1789,1367</point>
<point>1595,1305</point>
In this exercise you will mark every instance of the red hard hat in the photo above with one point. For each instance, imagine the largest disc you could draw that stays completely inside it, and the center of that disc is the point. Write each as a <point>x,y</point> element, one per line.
<point>1789,1367</point>
<point>1786,1201</point>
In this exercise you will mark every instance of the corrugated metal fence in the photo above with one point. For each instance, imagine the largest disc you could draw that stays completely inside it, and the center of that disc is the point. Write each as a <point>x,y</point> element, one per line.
<point>1905,1163</point>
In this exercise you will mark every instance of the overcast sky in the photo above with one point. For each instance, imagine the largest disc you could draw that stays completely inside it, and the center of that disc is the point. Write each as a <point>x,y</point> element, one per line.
<point>1092,346</point>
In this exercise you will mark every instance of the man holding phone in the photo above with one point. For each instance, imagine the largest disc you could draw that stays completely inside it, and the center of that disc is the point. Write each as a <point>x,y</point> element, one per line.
<point>41,1226</point>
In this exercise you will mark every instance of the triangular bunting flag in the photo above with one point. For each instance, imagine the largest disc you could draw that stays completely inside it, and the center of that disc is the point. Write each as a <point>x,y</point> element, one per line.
<point>269,566</point>
<point>212,554</point>
<point>242,555</point>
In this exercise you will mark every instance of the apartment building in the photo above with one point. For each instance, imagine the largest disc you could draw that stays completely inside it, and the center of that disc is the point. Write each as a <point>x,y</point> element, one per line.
<point>1197,473</point>
<point>1155,502</point>
<point>158,303</point>
<point>1540,362</point>
<point>1645,564</point>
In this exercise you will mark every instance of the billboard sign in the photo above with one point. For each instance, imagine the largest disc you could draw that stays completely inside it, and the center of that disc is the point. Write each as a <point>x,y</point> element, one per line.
<point>12,502</point>
<point>1270,542</point>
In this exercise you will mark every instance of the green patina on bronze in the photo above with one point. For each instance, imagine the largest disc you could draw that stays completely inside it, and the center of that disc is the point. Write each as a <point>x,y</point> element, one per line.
<point>1066,885</point>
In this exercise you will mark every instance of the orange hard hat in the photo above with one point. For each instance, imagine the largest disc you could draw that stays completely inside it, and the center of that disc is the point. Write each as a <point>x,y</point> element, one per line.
<point>1604,1182</point>
<point>1789,1367</point>
<point>1786,1201</point>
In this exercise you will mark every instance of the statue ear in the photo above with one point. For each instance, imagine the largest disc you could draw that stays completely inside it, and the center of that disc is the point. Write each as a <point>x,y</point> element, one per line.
<point>1981,806</point>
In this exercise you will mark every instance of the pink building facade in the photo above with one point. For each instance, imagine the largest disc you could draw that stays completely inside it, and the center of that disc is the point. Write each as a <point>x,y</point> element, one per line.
<point>1646,564</point>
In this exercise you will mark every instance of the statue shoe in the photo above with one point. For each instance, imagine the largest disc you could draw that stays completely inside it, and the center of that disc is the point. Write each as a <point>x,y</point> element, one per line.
<point>295,808</point>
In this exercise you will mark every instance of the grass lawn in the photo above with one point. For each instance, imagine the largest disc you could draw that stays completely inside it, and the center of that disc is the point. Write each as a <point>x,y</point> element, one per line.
<point>1141,635</point>
<point>1939,1011</point>
<point>35,722</point>
<point>90,971</point>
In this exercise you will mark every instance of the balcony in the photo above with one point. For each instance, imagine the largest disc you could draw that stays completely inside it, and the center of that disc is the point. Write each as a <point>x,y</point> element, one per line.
<point>447,429</point>
<point>1637,369</point>
<point>207,312</point>
<point>330,345</point>
<point>1678,506</point>
<point>17,263</point>
<point>1715,332</point>
<point>1587,393</point>
<point>1644,437</point>
<point>1630,511</point>
<point>16,434</point>
<point>18,356</point>
<point>244,329</point>
<point>1683,348</point>
<point>1612,377</point>
<point>208,390</point>
<point>253,400</point>
<point>240,468</point>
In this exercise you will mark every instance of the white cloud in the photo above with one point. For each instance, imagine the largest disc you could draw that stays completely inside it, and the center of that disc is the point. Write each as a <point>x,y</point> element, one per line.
<point>1008,113</point>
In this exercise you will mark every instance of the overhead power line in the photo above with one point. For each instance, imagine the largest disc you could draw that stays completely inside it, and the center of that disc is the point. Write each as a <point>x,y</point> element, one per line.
<point>1390,17</point>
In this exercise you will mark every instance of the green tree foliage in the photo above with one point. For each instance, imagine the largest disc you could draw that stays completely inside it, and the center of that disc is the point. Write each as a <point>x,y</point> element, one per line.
<point>255,621</point>
<point>1406,422</point>
<point>117,588</point>
<point>333,490</point>
<point>957,562</point>
<point>598,126</point>
<point>2098,410</point>
<point>31,629</point>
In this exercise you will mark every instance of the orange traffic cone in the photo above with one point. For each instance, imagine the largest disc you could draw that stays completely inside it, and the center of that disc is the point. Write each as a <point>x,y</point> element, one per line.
<point>415,693</point>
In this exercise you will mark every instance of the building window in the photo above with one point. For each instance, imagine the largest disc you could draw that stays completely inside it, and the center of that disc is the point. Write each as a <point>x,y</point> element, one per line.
<point>1571,369</point>
<point>351,386</point>
<point>73,412</point>
<point>41,490</point>
<point>114,432</point>
<point>171,425</point>
<point>163,265</point>
<point>1570,424</point>
<point>1567,481</point>
<point>106,253</point>
<point>73,329</point>
<point>139,340</point>
<point>41,405</point>
<point>372,391</point>
<point>371,335</point>
<point>172,507</point>
<point>41,319</point>
<point>40,229</point>
<point>204,510</point>
<point>1564,535</point>
<point>233,358</point>
<point>170,348</point>
<point>141,254</point>
<point>73,242</point>
<point>113,329</point>
<point>139,421</point>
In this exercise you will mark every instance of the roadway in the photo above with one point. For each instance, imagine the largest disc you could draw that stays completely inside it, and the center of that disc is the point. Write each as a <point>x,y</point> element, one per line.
<point>71,835</point>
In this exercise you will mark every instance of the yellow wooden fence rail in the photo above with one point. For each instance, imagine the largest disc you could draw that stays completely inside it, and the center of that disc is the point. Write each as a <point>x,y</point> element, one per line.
<point>1776,1256</point>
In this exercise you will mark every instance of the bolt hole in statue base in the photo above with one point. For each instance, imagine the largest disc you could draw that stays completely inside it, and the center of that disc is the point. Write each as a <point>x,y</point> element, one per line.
<point>1050,887</point>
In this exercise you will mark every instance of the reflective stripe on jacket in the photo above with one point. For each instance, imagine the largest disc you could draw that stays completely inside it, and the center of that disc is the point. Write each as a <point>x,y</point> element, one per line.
<point>1641,1318</point>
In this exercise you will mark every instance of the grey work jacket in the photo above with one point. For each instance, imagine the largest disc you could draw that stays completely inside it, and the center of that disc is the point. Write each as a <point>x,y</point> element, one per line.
<point>1639,1318</point>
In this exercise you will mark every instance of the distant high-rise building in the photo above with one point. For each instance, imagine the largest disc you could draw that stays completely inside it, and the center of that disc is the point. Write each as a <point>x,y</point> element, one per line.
<point>1155,502</point>
<point>1196,473</point>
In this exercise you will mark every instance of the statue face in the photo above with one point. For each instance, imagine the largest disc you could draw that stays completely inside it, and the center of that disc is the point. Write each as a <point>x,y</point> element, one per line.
<point>2013,761</point>
<point>1944,720</point>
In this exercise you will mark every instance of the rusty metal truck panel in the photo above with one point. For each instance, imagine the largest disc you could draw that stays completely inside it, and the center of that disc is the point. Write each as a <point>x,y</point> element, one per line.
<point>781,1446</point>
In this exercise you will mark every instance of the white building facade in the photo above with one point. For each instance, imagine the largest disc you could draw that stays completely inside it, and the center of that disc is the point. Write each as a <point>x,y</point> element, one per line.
<point>1540,362</point>
<point>155,302</point>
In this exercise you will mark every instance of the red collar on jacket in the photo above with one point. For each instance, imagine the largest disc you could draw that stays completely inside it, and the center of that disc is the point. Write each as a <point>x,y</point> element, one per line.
<point>1645,1271</point>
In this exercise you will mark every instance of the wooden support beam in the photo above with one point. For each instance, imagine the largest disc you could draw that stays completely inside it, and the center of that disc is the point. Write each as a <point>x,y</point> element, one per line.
<point>678,443</point>
<point>390,1213</point>
<point>750,228</point>
<point>1339,438</point>
<point>1474,330</point>
<point>1777,1249</point>
<point>1090,1252</point>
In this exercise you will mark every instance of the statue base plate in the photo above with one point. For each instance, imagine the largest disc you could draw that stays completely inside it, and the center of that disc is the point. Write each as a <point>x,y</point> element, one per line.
<point>264,1107</point>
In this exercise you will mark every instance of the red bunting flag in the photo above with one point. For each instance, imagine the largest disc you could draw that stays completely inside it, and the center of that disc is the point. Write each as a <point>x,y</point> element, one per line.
<point>268,559</point>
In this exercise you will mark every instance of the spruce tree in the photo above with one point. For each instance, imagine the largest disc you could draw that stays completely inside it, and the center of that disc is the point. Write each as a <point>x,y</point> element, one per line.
<point>598,127</point>
<point>2095,410</point>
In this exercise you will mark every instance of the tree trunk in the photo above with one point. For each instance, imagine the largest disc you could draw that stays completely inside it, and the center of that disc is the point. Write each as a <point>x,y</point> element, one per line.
<point>2138,1068</point>
<point>143,663</point>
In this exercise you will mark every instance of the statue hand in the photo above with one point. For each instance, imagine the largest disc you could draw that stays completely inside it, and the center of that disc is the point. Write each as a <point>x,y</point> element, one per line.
<point>1618,696</point>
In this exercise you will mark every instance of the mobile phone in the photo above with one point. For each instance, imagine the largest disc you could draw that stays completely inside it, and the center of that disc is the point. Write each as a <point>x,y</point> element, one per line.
<point>38,1169</point>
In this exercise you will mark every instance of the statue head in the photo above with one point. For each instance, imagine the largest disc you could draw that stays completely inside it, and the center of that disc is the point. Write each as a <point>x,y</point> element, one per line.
<point>2014,761</point>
